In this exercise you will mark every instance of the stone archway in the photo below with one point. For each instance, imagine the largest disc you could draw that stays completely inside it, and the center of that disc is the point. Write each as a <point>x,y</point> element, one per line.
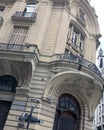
<point>71,83</point>
<point>70,89</point>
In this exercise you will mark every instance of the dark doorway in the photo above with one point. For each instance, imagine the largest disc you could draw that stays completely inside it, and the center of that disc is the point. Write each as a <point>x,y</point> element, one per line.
<point>4,109</point>
<point>67,115</point>
<point>7,84</point>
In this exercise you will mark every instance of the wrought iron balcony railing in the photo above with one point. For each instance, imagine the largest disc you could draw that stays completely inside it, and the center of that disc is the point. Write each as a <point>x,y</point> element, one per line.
<point>24,16</point>
<point>15,47</point>
<point>59,57</point>
<point>7,1</point>
<point>79,60</point>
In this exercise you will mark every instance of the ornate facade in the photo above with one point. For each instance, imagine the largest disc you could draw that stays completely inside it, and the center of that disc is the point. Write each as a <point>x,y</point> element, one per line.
<point>99,111</point>
<point>47,51</point>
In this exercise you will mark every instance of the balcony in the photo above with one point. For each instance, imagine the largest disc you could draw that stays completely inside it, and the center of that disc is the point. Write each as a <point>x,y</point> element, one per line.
<point>24,17</point>
<point>26,47</point>
<point>14,47</point>
<point>65,57</point>
<point>80,61</point>
<point>7,1</point>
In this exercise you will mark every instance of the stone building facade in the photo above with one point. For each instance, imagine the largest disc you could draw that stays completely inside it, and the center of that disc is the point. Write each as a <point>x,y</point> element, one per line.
<point>47,52</point>
<point>99,111</point>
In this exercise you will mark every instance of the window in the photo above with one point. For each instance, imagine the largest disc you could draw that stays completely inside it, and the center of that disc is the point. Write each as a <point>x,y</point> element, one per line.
<point>103,118</point>
<point>67,113</point>
<point>99,119</point>
<point>75,37</point>
<point>99,110</point>
<point>7,84</point>
<point>99,128</point>
<point>30,9</point>
<point>82,15</point>
<point>18,36</point>
<point>103,108</point>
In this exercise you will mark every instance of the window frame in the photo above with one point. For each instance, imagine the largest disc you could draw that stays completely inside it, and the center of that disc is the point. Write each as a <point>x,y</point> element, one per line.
<point>77,42</point>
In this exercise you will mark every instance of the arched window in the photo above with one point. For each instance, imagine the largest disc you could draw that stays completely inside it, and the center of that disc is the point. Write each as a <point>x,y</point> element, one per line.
<point>7,84</point>
<point>67,115</point>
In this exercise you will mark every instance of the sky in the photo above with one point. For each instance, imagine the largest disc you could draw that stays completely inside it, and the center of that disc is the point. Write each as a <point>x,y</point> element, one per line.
<point>99,7</point>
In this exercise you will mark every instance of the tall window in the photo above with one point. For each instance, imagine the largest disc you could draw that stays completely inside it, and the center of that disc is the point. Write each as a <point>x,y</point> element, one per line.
<point>18,36</point>
<point>67,115</point>
<point>7,84</point>
<point>82,15</point>
<point>30,9</point>
<point>75,37</point>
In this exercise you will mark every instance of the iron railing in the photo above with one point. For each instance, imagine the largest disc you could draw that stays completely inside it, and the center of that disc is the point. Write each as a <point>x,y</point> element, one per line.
<point>7,1</point>
<point>24,16</point>
<point>15,47</point>
<point>79,60</point>
<point>60,57</point>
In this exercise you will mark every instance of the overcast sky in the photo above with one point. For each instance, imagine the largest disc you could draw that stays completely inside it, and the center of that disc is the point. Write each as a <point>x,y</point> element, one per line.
<point>99,7</point>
